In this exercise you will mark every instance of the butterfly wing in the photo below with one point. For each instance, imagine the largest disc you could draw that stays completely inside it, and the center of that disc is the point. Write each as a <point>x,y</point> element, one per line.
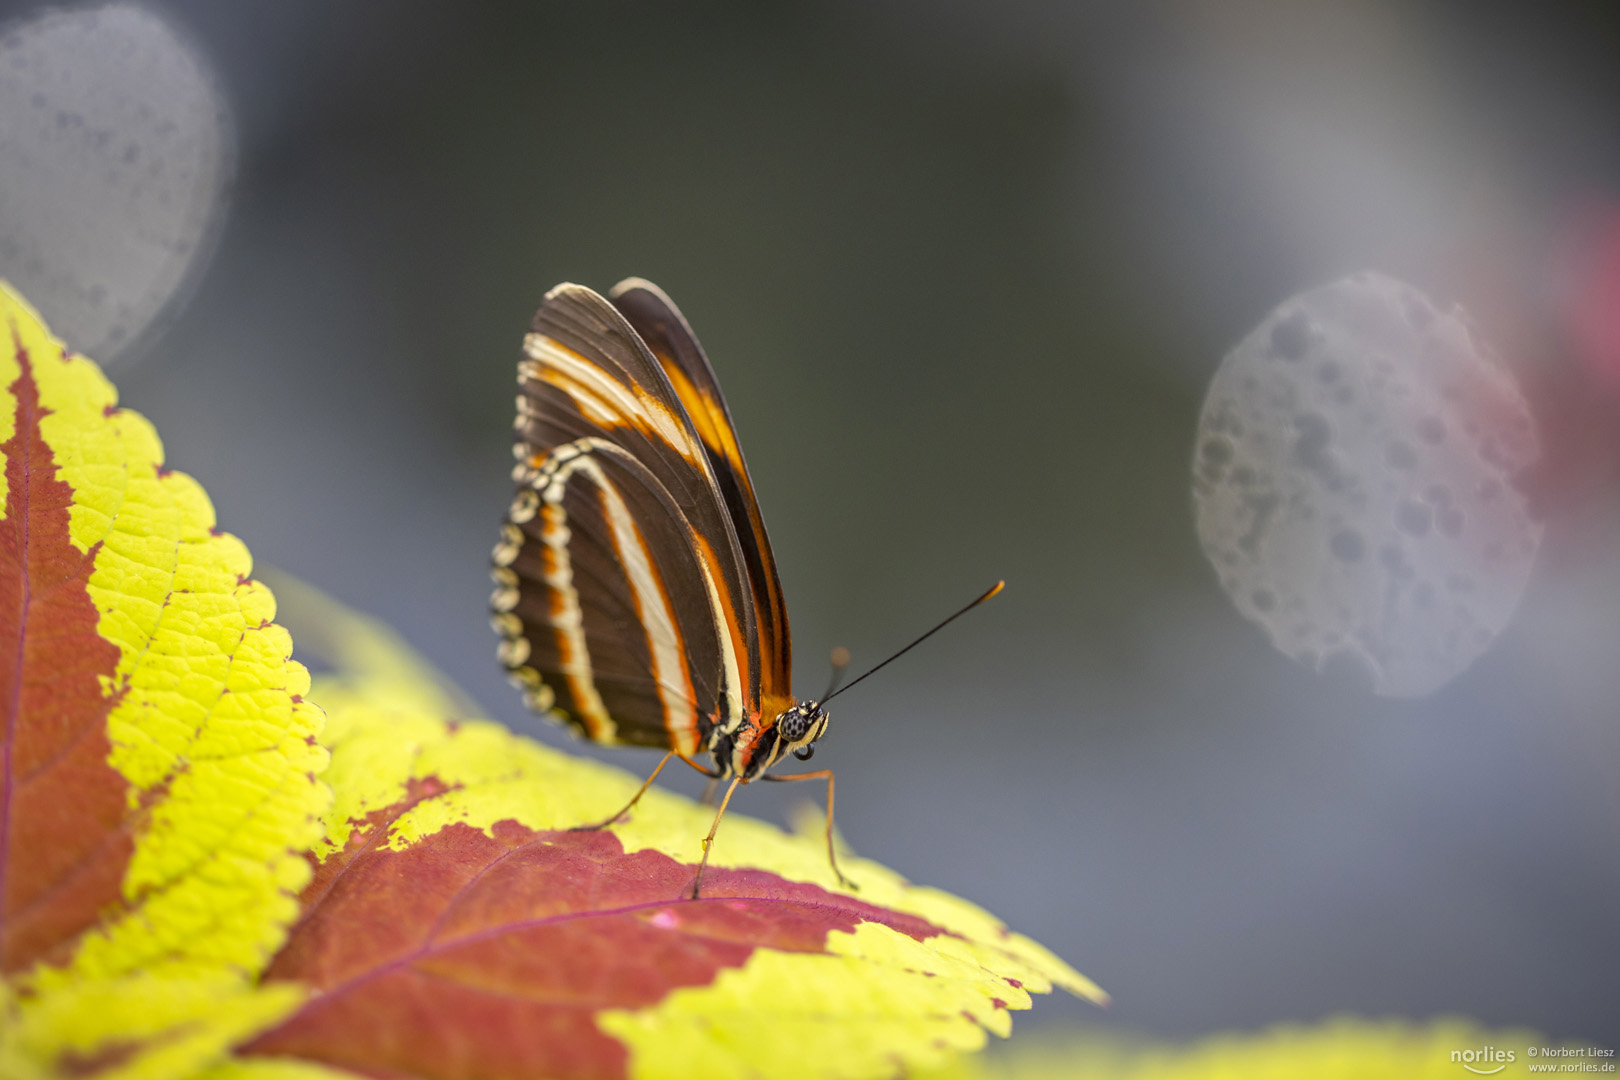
<point>660,324</point>
<point>620,588</point>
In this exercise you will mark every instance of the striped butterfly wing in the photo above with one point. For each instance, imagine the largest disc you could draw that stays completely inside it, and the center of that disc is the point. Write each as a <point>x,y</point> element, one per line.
<point>620,588</point>
<point>660,324</point>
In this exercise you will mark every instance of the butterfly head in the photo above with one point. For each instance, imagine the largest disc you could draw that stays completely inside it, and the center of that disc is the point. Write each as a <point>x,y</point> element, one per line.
<point>798,728</point>
<point>751,749</point>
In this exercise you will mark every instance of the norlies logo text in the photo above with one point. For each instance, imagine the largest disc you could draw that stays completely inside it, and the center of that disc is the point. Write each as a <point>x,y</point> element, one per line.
<point>1485,1056</point>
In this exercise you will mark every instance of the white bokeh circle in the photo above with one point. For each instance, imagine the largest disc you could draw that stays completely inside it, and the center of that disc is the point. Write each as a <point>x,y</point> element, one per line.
<point>115,153</point>
<point>1354,484</point>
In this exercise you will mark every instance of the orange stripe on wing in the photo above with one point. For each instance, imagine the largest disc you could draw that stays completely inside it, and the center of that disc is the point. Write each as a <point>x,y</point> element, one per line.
<point>773,706</point>
<point>709,419</point>
<point>705,414</point>
<point>603,399</point>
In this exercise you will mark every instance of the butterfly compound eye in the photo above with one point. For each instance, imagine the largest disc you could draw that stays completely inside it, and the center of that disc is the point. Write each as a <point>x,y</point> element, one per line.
<point>793,725</point>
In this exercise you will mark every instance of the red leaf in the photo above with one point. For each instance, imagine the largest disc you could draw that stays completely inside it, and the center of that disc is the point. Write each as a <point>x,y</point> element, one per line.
<point>471,955</point>
<point>64,815</point>
<point>457,927</point>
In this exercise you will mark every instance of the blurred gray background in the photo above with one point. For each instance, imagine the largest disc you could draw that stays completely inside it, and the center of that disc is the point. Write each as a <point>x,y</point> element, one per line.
<point>964,269</point>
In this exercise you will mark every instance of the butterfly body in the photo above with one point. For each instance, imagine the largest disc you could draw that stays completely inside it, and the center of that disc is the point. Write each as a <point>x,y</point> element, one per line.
<point>636,593</point>
<point>751,748</point>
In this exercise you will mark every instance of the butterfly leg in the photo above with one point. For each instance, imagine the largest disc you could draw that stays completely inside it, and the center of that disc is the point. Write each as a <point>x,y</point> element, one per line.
<point>707,798</point>
<point>820,774</point>
<point>708,840</point>
<point>643,790</point>
<point>633,799</point>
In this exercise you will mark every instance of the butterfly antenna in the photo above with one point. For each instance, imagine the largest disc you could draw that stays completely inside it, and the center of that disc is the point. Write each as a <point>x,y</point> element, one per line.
<point>988,593</point>
<point>840,661</point>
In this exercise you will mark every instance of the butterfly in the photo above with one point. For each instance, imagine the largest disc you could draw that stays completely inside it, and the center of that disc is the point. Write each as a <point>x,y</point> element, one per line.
<point>636,596</point>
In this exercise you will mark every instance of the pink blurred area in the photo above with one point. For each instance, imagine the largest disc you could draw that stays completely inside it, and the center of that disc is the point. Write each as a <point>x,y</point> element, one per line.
<point>1539,275</point>
<point>1588,291</point>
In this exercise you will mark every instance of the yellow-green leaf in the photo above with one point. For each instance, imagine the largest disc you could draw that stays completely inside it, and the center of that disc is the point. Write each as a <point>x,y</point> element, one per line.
<point>159,779</point>
<point>1343,1048</point>
<point>456,927</point>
